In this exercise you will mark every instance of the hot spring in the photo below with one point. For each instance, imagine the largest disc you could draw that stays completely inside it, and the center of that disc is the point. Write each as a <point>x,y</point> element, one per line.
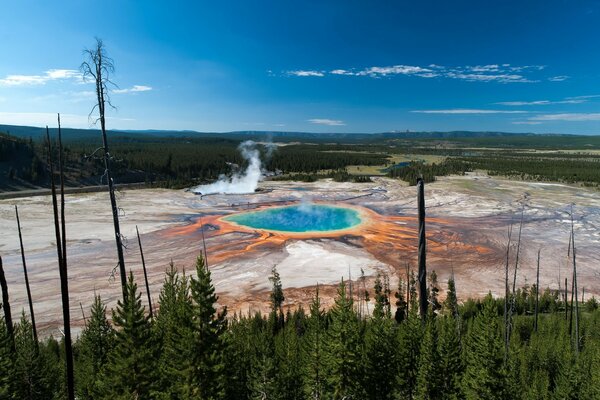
<point>299,218</point>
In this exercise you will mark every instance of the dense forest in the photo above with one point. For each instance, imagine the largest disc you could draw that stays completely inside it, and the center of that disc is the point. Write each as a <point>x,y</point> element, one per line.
<point>370,345</point>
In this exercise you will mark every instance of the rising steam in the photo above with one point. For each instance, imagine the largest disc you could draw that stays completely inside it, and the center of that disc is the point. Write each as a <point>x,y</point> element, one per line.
<point>239,182</point>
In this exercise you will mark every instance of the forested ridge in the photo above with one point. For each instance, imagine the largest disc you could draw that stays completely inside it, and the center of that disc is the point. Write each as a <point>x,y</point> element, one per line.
<point>192,348</point>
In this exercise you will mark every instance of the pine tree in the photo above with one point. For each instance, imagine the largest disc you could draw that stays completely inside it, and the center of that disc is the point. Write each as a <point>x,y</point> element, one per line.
<point>289,379</point>
<point>206,379</point>
<point>263,369</point>
<point>484,376</point>
<point>173,332</point>
<point>277,299</point>
<point>313,339</point>
<point>131,367</point>
<point>401,305</point>
<point>451,366</point>
<point>6,363</point>
<point>95,343</point>
<point>380,358</point>
<point>408,348</point>
<point>451,302</point>
<point>31,382</point>
<point>381,299</point>
<point>342,348</point>
<point>428,375</point>
<point>433,292</point>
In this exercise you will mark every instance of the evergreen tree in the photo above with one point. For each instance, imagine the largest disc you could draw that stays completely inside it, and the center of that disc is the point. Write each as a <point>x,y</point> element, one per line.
<point>408,348</point>
<point>401,305</point>
<point>484,376</point>
<point>382,301</point>
<point>451,302</point>
<point>6,363</point>
<point>173,331</point>
<point>428,375</point>
<point>433,293</point>
<point>31,381</point>
<point>451,365</point>
<point>313,350</point>
<point>95,343</point>
<point>263,369</point>
<point>342,348</point>
<point>380,358</point>
<point>131,367</point>
<point>288,355</point>
<point>206,379</point>
<point>277,299</point>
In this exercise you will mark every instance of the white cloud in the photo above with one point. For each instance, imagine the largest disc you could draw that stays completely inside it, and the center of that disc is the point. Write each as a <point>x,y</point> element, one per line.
<point>559,78</point>
<point>50,75</point>
<point>502,78</point>
<point>591,96</point>
<point>325,121</point>
<point>526,122</point>
<point>469,111</point>
<point>393,70</point>
<point>133,89</point>
<point>503,73</point>
<point>541,102</point>
<point>47,118</point>
<point>573,117</point>
<point>306,73</point>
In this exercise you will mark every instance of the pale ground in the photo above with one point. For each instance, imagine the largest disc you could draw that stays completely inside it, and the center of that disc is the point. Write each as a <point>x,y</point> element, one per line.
<point>468,220</point>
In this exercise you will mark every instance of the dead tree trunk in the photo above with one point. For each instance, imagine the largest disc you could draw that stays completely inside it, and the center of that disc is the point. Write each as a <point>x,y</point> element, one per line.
<point>32,314</point>
<point>6,307</point>
<point>514,285</point>
<point>62,266</point>
<point>422,250</point>
<point>575,286</point>
<point>99,68</point>
<point>537,291</point>
<point>506,294</point>
<point>566,301</point>
<point>144,267</point>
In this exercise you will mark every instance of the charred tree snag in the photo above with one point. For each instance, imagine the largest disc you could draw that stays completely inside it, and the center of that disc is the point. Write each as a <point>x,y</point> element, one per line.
<point>422,250</point>
<point>32,314</point>
<point>144,268</point>
<point>98,68</point>
<point>6,307</point>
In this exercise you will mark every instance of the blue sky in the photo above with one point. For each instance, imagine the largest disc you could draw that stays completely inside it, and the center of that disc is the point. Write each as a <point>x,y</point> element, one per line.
<point>320,66</point>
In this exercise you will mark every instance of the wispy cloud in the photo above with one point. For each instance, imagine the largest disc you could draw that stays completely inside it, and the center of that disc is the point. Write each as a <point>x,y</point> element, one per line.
<point>558,78</point>
<point>503,73</point>
<point>306,73</point>
<point>573,117</point>
<point>47,76</point>
<point>46,118</point>
<point>541,102</point>
<point>133,89</point>
<point>526,122</point>
<point>469,111</point>
<point>326,121</point>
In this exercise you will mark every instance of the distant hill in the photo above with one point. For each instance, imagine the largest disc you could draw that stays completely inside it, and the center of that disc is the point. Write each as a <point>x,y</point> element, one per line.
<point>82,134</point>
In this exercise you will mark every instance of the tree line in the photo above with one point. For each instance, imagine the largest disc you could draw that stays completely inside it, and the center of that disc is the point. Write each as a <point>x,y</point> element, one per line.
<point>371,344</point>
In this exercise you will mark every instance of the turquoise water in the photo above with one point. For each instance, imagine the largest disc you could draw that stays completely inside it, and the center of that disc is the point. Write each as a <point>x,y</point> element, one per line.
<point>299,218</point>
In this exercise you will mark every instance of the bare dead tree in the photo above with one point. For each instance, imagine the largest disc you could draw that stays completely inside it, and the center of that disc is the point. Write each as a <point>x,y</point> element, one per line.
<point>506,294</point>
<point>537,291</point>
<point>144,268</point>
<point>575,285</point>
<point>513,296</point>
<point>422,250</point>
<point>98,68</point>
<point>566,301</point>
<point>204,243</point>
<point>6,307</point>
<point>62,266</point>
<point>83,313</point>
<point>32,314</point>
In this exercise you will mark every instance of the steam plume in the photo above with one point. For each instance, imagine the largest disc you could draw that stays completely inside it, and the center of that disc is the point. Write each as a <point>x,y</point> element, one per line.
<point>238,183</point>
